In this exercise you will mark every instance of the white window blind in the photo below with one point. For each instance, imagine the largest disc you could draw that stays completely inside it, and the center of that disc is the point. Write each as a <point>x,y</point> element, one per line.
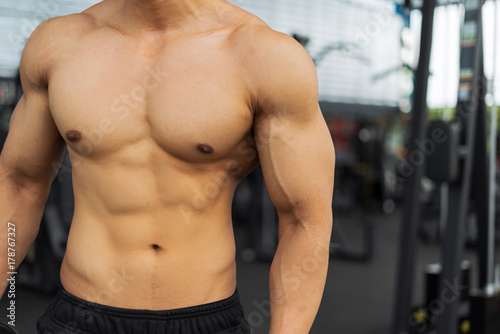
<point>364,37</point>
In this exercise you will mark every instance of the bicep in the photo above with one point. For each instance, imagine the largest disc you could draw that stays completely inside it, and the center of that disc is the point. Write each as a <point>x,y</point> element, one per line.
<point>297,159</point>
<point>33,145</point>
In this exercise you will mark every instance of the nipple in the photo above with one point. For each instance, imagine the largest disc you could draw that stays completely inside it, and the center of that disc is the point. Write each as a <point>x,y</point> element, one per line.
<point>204,148</point>
<point>73,136</point>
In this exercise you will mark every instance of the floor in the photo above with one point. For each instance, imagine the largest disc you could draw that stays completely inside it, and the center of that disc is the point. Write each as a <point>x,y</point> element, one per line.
<point>358,296</point>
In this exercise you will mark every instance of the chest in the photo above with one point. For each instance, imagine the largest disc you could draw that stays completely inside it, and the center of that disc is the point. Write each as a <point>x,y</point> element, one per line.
<point>185,96</point>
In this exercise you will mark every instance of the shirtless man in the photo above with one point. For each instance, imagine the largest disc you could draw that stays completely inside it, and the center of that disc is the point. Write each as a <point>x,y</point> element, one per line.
<point>164,106</point>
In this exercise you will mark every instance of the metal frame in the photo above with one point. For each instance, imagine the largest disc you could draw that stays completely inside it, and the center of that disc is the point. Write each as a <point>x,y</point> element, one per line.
<point>471,114</point>
<point>411,209</point>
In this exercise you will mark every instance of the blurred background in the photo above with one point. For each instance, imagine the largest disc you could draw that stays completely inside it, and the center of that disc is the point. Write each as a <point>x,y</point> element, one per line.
<point>389,72</point>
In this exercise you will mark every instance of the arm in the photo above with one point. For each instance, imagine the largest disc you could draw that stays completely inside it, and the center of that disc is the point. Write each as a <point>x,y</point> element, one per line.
<point>32,145</point>
<point>297,158</point>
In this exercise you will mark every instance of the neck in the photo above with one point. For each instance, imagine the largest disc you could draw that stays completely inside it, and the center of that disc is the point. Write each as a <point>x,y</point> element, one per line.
<point>162,14</point>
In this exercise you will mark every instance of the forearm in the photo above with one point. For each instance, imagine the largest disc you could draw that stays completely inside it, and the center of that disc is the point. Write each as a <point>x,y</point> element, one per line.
<point>21,205</point>
<point>298,275</point>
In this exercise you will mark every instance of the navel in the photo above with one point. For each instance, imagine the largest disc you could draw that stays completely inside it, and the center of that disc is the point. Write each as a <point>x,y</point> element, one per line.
<point>73,136</point>
<point>155,248</point>
<point>204,148</point>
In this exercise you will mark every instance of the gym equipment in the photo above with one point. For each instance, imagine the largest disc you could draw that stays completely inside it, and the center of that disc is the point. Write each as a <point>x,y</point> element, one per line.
<point>411,210</point>
<point>471,116</point>
<point>443,164</point>
<point>485,302</point>
<point>7,329</point>
<point>492,157</point>
<point>433,273</point>
<point>423,318</point>
<point>484,310</point>
<point>465,170</point>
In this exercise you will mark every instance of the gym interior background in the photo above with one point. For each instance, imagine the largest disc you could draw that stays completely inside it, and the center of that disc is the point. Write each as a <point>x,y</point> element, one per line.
<point>416,220</point>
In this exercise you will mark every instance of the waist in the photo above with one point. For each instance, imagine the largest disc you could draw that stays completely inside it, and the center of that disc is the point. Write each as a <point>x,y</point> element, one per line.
<point>170,314</point>
<point>71,312</point>
<point>153,287</point>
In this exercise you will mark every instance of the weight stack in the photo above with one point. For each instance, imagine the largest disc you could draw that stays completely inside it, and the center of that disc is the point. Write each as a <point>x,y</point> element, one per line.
<point>432,275</point>
<point>485,311</point>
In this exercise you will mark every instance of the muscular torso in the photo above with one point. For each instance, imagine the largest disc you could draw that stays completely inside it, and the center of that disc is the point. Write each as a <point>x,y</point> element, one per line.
<point>159,134</point>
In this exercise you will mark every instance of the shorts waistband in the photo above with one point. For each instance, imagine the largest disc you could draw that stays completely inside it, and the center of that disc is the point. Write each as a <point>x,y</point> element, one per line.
<point>180,313</point>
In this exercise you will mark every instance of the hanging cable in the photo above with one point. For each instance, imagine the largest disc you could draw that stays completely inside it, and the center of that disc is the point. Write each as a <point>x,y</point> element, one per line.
<point>447,108</point>
<point>493,149</point>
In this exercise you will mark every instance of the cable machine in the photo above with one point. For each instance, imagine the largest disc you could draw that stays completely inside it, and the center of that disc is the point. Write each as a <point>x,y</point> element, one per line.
<point>460,159</point>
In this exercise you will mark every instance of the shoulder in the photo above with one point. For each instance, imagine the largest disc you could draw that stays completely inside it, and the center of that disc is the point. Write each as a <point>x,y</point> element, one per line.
<point>48,41</point>
<point>273,50</point>
<point>251,35</point>
<point>278,67</point>
<point>56,31</point>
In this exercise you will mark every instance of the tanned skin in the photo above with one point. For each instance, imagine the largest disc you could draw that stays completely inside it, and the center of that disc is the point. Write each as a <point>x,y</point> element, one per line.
<point>164,106</point>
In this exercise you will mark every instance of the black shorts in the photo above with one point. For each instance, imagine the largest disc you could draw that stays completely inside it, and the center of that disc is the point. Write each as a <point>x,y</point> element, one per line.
<point>69,314</point>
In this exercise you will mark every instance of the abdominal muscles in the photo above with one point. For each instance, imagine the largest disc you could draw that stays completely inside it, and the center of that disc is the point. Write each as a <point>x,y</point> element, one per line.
<point>146,238</point>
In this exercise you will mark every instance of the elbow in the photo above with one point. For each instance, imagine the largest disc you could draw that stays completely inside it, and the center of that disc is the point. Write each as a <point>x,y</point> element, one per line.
<point>30,186</point>
<point>315,212</point>
<point>313,233</point>
<point>316,220</point>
